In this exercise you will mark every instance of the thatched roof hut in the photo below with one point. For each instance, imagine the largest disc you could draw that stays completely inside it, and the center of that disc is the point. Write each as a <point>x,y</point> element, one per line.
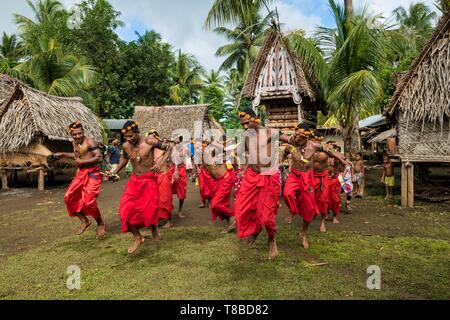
<point>34,124</point>
<point>167,119</point>
<point>279,81</point>
<point>420,107</point>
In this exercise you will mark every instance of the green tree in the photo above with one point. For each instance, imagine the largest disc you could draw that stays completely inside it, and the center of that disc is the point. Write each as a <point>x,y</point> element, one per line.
<point>187,76</point>
<point>56,72</point>
<point>11,52</point>
<point>223,12</point>
<point>415,24</point>
<point>245,40</point>
<point>348,70</point>
<point>214,78</point>
<point>50,20</point>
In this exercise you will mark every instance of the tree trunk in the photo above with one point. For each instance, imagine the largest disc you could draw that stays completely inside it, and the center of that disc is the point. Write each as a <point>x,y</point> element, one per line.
<point>347,134</point>
<point>349,7</point>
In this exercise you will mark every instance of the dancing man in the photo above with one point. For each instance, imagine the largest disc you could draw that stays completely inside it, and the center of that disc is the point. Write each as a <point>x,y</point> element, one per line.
<point>258,200</point>
<point>178,173</point>
<point>139,204</point>
<point>81,196</point>
<point>305,189</point>
<point>222,185</point>
<point>164,186</point>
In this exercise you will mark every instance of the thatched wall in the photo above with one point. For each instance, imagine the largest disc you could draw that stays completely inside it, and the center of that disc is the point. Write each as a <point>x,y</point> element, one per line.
<point>420,106</point>
<point>33,115</point>
<point>170,118</point>
<point>423,141</point>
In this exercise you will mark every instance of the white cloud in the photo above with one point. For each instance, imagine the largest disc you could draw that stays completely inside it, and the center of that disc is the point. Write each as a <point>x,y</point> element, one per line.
<point>292,16</point>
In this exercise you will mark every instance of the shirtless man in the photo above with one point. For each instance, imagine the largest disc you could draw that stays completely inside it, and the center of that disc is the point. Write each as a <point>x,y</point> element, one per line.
<point>303,193</point>
<point>164,186</point>
<point>139,203</point>
<point>223,183</point>
<point>205,182</point>
<point>334,170</point>
<point>258,200</point>
<point>178,173</point>
<point>388,177</point>
<point>81,196</point>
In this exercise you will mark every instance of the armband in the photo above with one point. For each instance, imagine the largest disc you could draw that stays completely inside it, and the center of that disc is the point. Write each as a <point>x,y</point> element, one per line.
<point>162,146</point>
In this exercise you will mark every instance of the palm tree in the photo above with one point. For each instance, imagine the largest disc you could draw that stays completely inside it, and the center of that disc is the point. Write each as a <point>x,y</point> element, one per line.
<point>52,70</point>
<point>11,52</point>
<point>415,24</point>
<point>11,48</point>
<point>232,11</point>
<point>44,12</point>
<point>187,75</point>
<point>345,60</point>
<point>245,39</point>
<point>214,79</point>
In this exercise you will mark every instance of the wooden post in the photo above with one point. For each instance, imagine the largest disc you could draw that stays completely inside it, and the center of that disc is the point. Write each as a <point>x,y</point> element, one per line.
<point>404,185</point>
<point>411,185</point>
<point>41,179</point>
<point>4,180</point>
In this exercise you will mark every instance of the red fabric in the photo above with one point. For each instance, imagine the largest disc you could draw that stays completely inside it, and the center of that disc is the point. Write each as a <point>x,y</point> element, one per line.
<point>334,201</point>
<point>299,195</point>
<point>220,204</point>
<point>238,182</point>
<point>165,196</point>
<point>139,203</point>
<point>179,188</point>
<point>81,196</point>
<point>322,191</point>
<point>207,185</point>
<point>257,204</point>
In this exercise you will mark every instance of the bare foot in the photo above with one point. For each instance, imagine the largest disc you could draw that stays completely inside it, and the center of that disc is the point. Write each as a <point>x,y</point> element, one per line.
<point>156,235</point>
<point>273,250</point>
<point>136,244</point>
<point>251,241</point>
<point>202,206</point>
<point>168,225</point>
<point>84,227</point>
<point>181,215</point>
<point>304,240</point>
<point>336,221</point>
<point>101,231</point>
<point>231,225</point>
<point>323,227</point>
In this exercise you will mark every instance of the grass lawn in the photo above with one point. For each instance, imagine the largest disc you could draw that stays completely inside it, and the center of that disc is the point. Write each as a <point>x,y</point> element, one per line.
<point>203,263</point>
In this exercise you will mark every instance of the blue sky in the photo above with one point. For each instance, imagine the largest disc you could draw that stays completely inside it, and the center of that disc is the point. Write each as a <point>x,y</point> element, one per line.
<point>180,22</point>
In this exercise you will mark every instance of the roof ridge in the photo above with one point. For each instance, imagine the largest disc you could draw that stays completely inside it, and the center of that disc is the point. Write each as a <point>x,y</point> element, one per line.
<point>442,26</point>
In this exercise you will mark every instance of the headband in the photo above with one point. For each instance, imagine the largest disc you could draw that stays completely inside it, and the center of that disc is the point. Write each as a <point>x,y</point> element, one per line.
<point>154,132</point>
<point>75,125</point>
<point>247,116</point>
<point>135,124</point>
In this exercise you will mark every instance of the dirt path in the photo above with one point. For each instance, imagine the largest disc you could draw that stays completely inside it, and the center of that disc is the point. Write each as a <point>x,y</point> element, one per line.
<point>29,218</point>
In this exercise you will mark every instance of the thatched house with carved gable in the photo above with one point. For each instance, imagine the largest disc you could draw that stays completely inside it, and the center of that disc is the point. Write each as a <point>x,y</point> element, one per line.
<point>279,81</point>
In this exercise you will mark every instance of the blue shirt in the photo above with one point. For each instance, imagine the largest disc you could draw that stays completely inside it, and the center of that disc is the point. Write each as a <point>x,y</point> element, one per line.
<point>114,155</point>
<point>191,149</point>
